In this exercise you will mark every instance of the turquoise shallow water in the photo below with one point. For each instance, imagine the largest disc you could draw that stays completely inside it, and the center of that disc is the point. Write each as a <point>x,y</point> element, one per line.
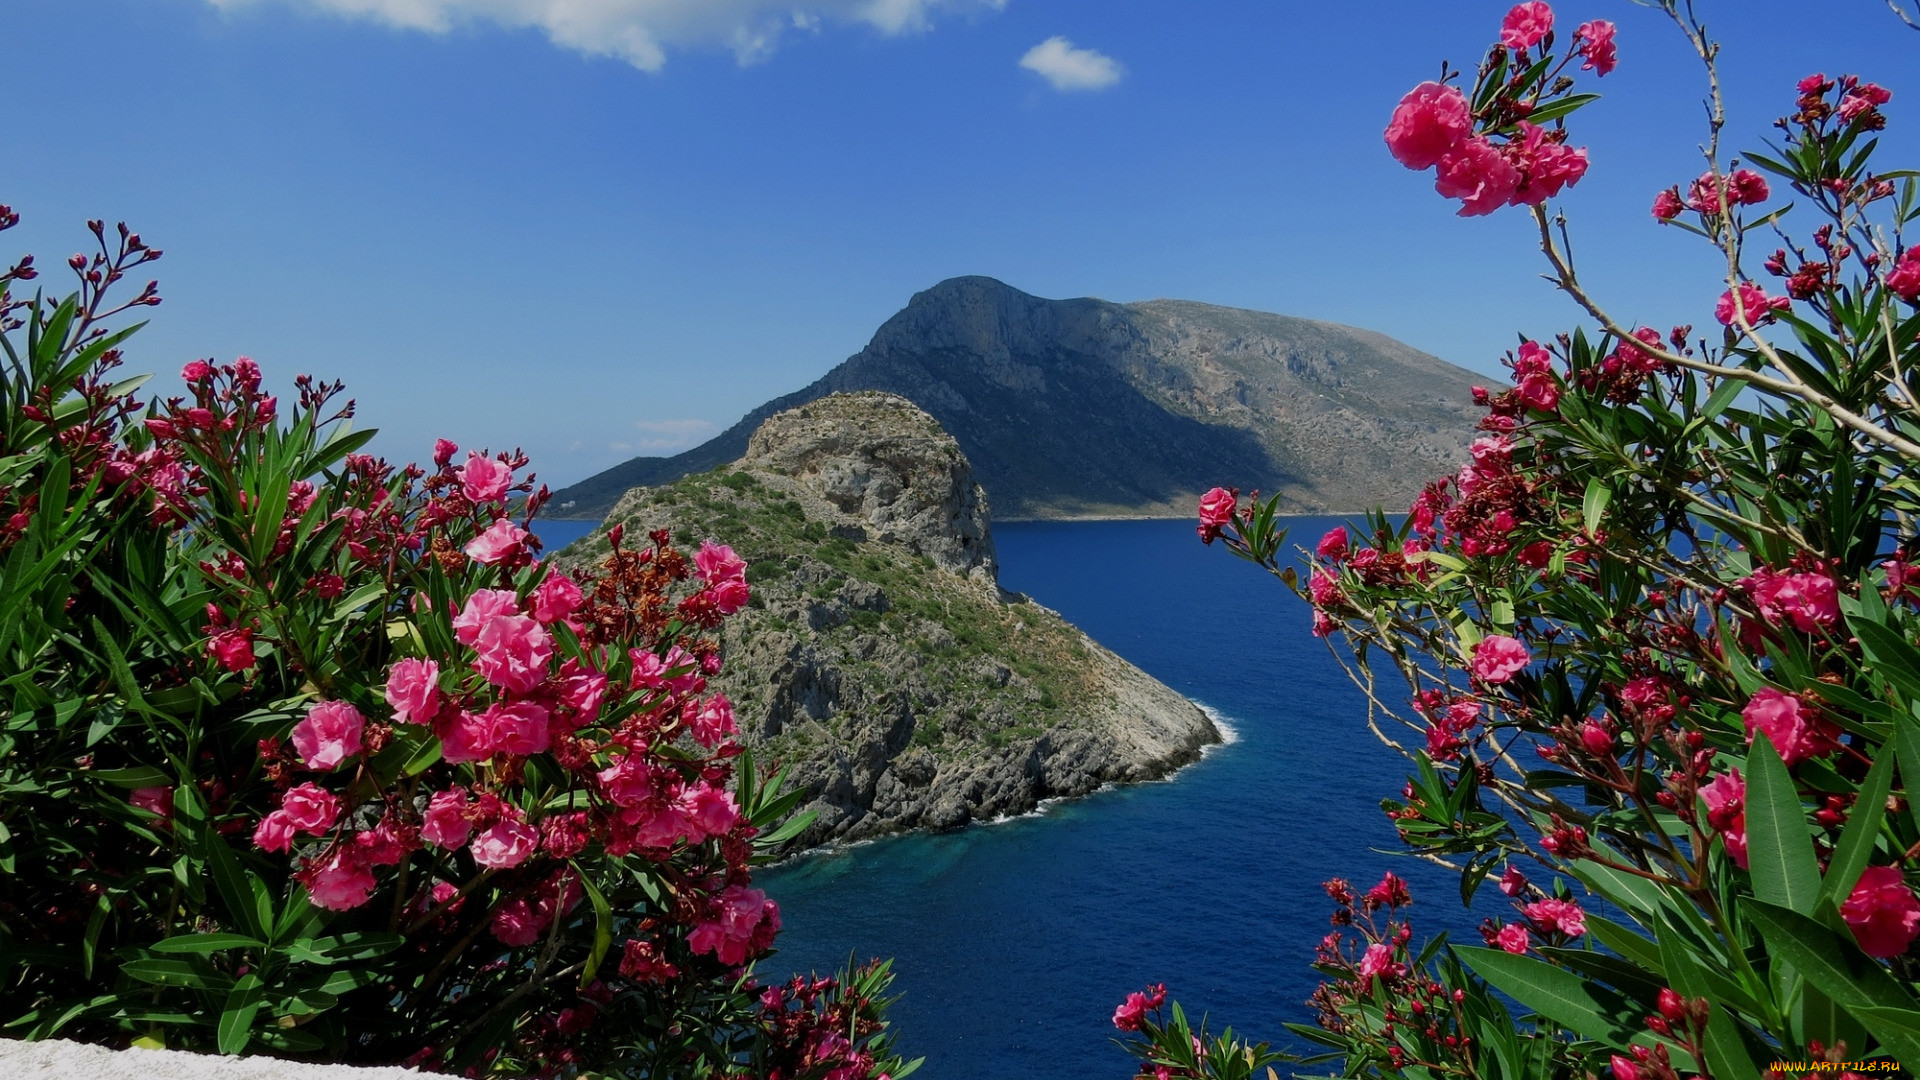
<point>1014,941</point>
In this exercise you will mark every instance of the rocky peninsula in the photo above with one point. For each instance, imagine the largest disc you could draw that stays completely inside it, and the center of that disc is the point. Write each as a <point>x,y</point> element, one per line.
<point>879,657</point>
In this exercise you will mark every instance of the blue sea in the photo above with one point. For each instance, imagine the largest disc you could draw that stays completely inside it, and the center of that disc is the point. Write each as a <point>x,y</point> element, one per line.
<point>1013,941</point>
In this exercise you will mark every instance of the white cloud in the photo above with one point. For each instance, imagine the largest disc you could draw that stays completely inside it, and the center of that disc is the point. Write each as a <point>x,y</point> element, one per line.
<point>1068,68</point>
<point>641,31</point>
<point>671,435</point>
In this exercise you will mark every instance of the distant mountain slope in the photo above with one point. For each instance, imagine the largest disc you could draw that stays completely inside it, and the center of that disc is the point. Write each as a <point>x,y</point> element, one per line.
<point>1074,408</point>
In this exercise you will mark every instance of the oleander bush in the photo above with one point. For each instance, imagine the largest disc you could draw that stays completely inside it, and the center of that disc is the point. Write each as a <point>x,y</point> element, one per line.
<point>1652,651</point>
<point>305,754</point>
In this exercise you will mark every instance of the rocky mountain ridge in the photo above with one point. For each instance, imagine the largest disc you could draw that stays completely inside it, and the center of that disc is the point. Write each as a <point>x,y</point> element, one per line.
<point>878,656</point>
<point>1085,408</point>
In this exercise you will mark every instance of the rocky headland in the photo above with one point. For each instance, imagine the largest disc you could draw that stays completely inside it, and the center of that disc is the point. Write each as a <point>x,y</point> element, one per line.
<point>879,657</point>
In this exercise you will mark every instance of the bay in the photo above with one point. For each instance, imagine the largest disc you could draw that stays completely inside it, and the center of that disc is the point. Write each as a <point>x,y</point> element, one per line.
<point>1014,941</point>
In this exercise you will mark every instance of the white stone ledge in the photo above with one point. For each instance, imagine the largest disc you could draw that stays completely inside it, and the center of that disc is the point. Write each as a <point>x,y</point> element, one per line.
<point>58,1059</point>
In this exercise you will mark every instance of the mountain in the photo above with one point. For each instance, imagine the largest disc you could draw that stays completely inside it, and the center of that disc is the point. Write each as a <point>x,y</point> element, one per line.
<point>1084,408</point>
<point>878,657</point>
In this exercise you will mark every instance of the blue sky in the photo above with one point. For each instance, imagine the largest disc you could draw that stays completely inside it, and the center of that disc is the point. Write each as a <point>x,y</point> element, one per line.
<point>616,233</point>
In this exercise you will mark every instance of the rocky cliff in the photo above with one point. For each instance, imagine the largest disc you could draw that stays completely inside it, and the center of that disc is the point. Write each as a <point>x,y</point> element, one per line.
<point>1071,408</point>
<point>879,657</point>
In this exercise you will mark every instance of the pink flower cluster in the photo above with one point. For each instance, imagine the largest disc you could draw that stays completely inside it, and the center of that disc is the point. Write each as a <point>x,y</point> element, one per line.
<point>1808,598</point>
<point>1434,127</point>
<point>1132,1013</point>
<point>1796,729</point>
<point>740,922</point>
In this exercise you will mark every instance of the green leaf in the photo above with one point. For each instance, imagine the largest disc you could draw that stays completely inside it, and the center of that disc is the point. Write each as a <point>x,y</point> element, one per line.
<point>1579,1005</point>
<point>165,971</point>
<point>602,927</point>
<point>1594,506</point>
<point>1780,856</point>
<point>202,944</point>
<point>1889,654</point>
<point>141,776</point>
<point>236,1019</point>
<point>1837,966</point>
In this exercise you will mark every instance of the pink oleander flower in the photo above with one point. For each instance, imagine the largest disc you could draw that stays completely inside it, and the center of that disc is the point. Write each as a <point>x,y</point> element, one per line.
<point>1333,545</point>
<point>1130,1013</point>
<point>1552,914</point>
<point>157,801</point>
<point>505,844</point>
<point>274,833</point>
<point>1863,99</point>
<point>329,735</point>
<point>712,722</point>
<point>1539,391</point>
<point>513,652</point>
<point>1546,165</point>
<point>1743,187</point>
<point>1753,303</point>
<point>1594,40</point>
<point>717,562</point>
<point>340,882</point>
<point>485,480</point>
<point>1379,961</point>
<point>1667,205</point>
<point>1526,25</point>
<point>443,451</point>
<point>1726,799</point>
<point>1796,734</point>
<point>232,649</point>
<point>1513,882</point>
<point>310,808</point>
<point>464,737</point>
<point>1623,1067</point>
<point>1216,508</point>
<point>582,689</point>
<point>556,597</point>
<point>1513,938</point>
<point>518,728</point>
<point>1904,278</point>
<point>502,540</point>
<point>482,606</point>
<point>413,690</point>
<point>445,823</point>
<point>1479,175</point>
<point>729,596</point>
<point>1429,121</point>
<point>1498,658</point>
<point>1810,600</point>
<point>710,810</point>
<point>1882,912</point>
<point>745,918</point>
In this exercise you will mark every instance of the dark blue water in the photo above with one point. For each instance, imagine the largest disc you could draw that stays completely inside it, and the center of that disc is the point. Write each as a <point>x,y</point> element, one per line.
<point>555,535</point>
<point>1013,942</point>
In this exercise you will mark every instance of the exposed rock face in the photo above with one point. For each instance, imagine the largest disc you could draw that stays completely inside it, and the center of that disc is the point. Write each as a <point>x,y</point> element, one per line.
<point>1082,407</point>
<point>879,658</point>
<point>881,460</point>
